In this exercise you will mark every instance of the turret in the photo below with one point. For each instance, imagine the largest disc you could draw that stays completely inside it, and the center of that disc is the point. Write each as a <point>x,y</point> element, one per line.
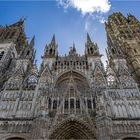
<point>72,51</point>
<point>92,52</point>
<point>91,47</point>
<point>28,51</point>
<point>50,53</point>
<point>51,49</point>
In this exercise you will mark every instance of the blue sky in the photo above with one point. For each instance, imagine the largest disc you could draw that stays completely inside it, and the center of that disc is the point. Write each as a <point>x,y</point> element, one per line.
<point>44,18</point>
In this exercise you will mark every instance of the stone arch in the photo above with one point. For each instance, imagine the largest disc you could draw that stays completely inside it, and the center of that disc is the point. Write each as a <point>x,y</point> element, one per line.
<point>113,50</point>
<point>129,137</point>
<point>72,129</point>
<point>80,81</point>
<point>13,55</point>
<point>30,81</point>
<point>71,71</point>
<point>17,136</point>
<point>112,78</point>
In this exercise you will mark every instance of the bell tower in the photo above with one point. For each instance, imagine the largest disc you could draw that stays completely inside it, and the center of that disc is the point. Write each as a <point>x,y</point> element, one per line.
<point>123,35</point>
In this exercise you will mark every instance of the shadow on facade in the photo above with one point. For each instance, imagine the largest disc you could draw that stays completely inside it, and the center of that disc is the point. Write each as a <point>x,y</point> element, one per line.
<point>130,138</point>
<point>15,138</point>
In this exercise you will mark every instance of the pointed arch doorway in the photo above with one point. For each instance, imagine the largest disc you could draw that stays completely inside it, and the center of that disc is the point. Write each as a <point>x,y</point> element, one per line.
<point>130,138</point>
<point>15,138</point>
<point>71,130</point>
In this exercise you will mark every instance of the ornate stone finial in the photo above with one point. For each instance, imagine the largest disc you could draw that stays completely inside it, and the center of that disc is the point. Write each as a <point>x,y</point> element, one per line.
<point>72,50</point>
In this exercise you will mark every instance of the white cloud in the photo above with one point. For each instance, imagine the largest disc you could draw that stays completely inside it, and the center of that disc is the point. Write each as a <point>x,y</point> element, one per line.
<point>101,18</point>
<point>89,24</point>
<point>90,9</point>
<point>87,6</point>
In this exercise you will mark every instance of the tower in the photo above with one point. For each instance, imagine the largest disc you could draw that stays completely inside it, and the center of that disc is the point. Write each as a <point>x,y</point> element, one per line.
<point>18,80</point>
<point>123,39</point>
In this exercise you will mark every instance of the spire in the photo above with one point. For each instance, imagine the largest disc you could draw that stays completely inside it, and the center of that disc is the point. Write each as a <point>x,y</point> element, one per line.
<point>32,43</point>
<point>29,52</point>
<point>53,40</point>
<point>19,23</point>
<point>91,47</point>
<point>74,49</point>
<point>88,38</point>
<point>51,48</point>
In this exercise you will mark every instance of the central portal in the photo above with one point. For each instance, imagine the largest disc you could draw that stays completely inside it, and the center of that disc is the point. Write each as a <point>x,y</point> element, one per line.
<point>72,130</point>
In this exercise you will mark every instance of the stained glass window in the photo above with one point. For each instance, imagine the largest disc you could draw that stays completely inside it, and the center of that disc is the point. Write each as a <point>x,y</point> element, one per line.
<point>71,103</point>
<point>50,102</point>
<point>66,104</point>
<point>1,54</point>
<point>77,104</point>
<point>89,104</point>
<point>54,104</point>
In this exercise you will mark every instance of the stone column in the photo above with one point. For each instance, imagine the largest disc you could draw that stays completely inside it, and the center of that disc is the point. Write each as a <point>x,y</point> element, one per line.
<point>104,128</point>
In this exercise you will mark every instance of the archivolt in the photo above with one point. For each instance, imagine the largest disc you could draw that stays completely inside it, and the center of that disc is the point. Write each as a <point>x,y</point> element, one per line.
<point>21,136</point>
<point>79,79</point>
<point>130,137</point>
<point>73,72</point>
<point>72,129</point>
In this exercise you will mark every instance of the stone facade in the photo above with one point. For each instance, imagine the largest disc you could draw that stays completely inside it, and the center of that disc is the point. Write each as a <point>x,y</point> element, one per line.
<point>71,96</point>
<point>123,35</point>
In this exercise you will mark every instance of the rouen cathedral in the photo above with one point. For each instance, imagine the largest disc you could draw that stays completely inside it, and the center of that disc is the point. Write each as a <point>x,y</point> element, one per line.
<point>72,96</point>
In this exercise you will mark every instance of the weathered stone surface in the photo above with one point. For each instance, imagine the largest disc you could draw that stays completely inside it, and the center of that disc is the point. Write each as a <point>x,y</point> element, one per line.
<point>71,96</point>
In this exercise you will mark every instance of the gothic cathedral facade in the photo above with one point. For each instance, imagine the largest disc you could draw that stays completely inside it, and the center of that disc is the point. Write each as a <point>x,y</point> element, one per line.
<point>72,96</point>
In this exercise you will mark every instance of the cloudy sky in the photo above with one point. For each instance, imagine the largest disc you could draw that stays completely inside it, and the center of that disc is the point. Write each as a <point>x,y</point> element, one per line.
<point>69,20</point>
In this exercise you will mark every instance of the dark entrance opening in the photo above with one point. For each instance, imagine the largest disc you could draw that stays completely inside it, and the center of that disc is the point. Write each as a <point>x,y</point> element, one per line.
<point>15,138</point>
<point>130,138</point>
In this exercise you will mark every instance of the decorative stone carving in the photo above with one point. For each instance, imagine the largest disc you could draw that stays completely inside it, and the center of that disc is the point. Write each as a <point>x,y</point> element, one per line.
<point>71,96</point>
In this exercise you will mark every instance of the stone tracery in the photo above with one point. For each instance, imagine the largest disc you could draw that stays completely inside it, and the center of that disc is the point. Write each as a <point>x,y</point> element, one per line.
<point>72,96</point>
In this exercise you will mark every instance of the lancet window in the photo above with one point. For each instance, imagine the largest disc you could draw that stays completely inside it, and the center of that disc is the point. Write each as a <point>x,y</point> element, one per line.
<point>1,54</point>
